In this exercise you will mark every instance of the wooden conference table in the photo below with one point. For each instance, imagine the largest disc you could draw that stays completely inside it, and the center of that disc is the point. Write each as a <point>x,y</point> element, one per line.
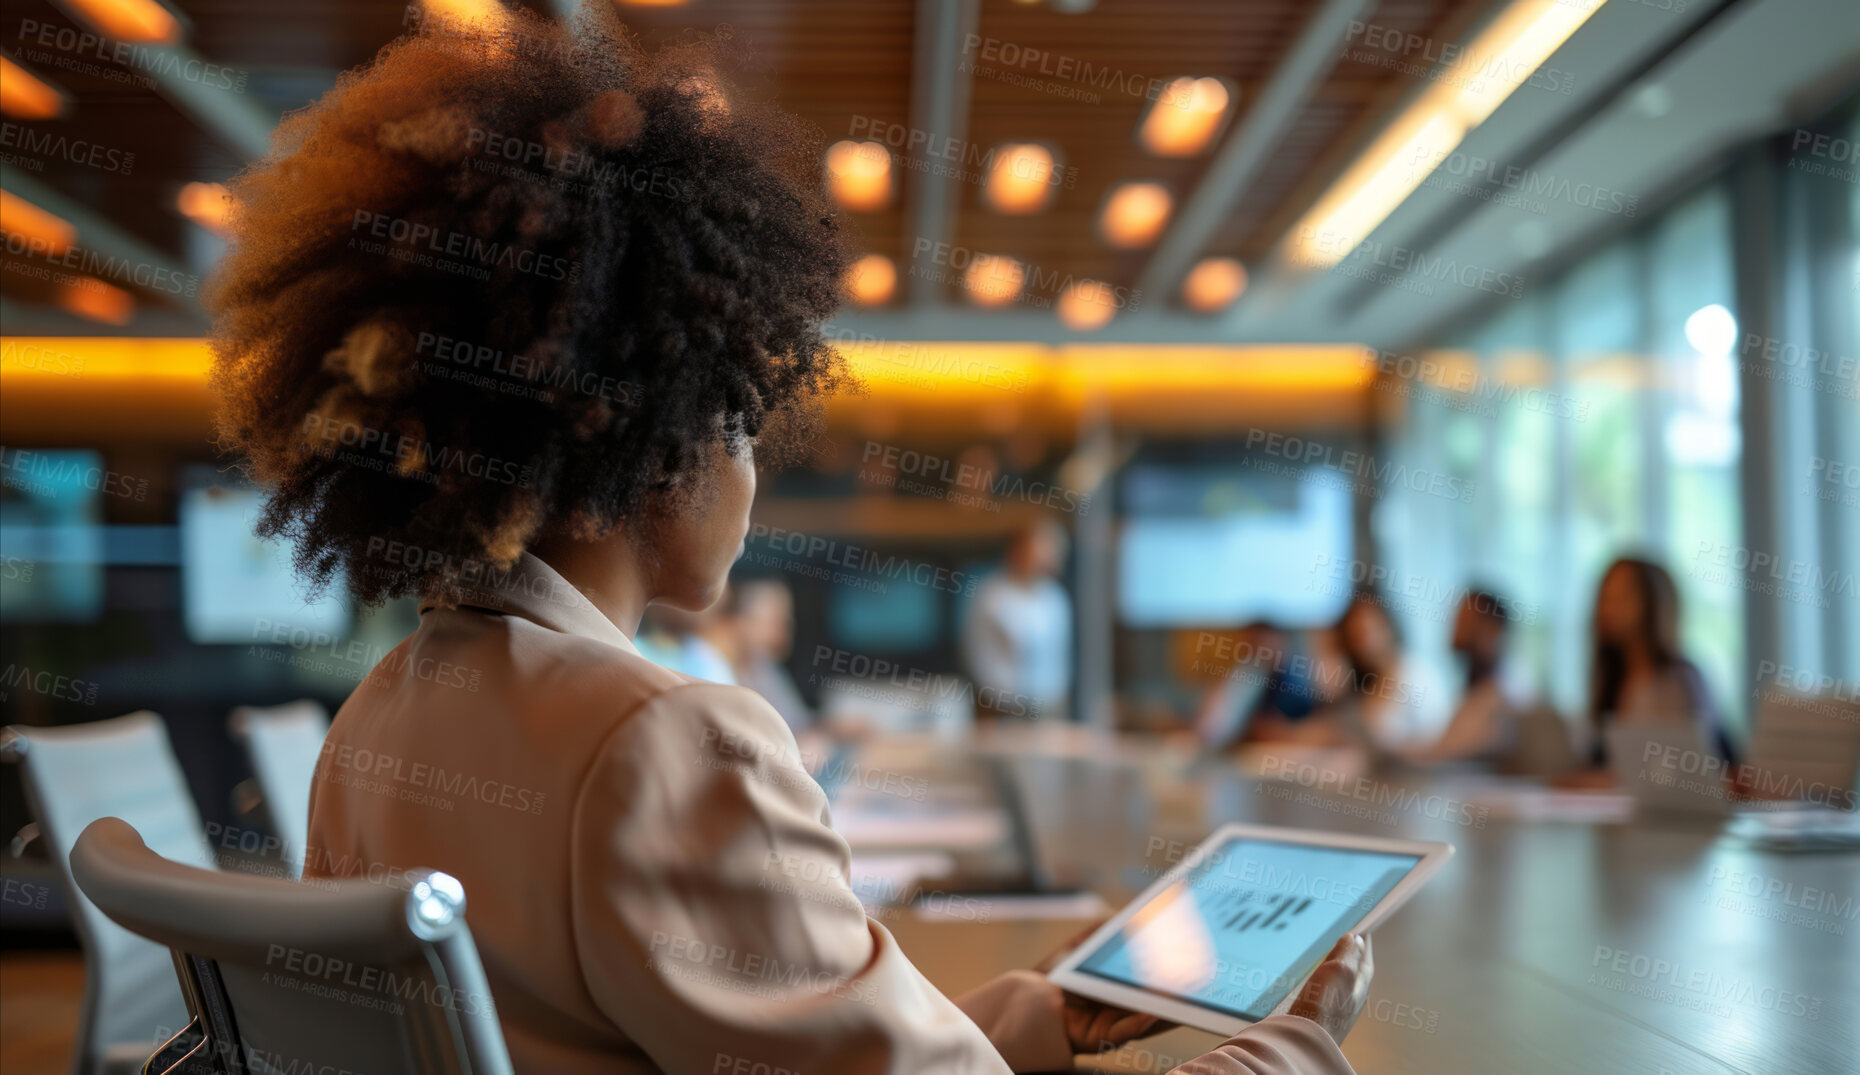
<point>1574,945</point>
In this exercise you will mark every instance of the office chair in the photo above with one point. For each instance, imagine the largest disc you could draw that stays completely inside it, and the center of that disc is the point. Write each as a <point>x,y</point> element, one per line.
<point>1541,744</point>
<point>283,743</point>
<point>74,775</point>
<point>1805,744</point>
<point>282,976</point>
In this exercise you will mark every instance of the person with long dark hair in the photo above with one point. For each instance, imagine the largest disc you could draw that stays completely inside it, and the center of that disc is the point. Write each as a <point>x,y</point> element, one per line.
<point>1637,670</point>
<point>509,319</point>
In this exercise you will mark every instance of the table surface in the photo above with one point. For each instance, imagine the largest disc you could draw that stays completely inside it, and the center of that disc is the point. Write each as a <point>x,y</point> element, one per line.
<point>1645,946</point>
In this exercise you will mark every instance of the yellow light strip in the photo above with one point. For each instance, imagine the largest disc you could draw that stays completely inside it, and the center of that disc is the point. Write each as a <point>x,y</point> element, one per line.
<point>1115,369</point>
<point>884,365</point>
<point>104,358</point>
<point>1497,62</point>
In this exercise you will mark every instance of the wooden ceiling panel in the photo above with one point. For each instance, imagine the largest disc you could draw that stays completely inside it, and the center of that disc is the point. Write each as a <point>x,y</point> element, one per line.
<point>1079,82</point>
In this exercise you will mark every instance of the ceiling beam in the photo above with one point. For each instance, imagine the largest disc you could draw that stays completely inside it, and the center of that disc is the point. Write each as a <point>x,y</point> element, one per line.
<point>96,234</point>
<point>940,83</point>
<point>224,111</point>
<point>1251,145</point>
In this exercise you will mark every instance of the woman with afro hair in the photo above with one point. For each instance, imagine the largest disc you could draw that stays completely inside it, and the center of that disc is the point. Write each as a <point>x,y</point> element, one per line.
<point>509,317</point>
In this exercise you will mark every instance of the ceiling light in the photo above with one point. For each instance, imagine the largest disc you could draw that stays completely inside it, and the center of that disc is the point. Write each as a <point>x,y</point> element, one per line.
<point>860,175</point>
<point>1020,178</point>
<point>1135,213</point>
<point>22,94</point>
<point>1087,304</point>
<point>1184,118</point>
<point>24,219</point>
<point>872,280</point>
<point>208,205</point>
<point>993,280</point>
<point>97,301</point>
<point>485,13</point>
<point>1711,330</point>
<point>141,22</point>
<point>1213,284</point>
<point>1494,65</point>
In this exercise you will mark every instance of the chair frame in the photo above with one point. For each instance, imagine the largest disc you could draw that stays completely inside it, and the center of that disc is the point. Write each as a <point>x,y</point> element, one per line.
<point>146,894</point>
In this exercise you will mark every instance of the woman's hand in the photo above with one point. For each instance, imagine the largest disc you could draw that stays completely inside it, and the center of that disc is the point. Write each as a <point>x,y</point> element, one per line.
<point>1093,1026</point>
<point>1335,993</point>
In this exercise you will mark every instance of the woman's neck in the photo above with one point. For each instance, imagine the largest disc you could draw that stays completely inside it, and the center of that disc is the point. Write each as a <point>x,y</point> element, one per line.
<point>610,573</point>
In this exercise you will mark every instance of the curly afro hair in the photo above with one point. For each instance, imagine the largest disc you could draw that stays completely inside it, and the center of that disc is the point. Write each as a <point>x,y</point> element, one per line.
<point>506,282</point>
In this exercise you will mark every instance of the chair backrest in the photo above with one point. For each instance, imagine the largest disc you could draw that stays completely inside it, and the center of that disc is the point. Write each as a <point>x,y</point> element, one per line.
<point>283,743</point>
<point>1541,745</point>
<point>1805,746</point>
<point>75,774</point>
<point>286,976</point>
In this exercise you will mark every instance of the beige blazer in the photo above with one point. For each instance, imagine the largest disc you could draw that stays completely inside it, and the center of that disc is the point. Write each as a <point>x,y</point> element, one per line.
<point>651,874</point>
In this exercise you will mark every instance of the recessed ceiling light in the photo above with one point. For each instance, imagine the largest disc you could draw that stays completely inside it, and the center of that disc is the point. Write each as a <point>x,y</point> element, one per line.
<point>993,280</point>
<point>1183,119</point>
<point>860,175</point>
<point>22,94</point>
<point>1654,100</point>
<point>20,217</point>
<point>139,22</point>
<point>1135,213</point>
<point>872,280</point>
<point>1020,178</point>
<point>208,205</point>
<point>1213,284</point>
<point>1087,304</point>
<point>93,299</point>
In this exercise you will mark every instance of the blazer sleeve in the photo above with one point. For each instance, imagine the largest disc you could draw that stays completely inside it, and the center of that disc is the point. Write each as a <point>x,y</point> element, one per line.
<point>1280,1045</point>
<point>714,919</point>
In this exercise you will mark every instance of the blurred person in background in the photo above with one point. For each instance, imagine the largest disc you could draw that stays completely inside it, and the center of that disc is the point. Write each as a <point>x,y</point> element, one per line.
<point>643,808</point>
<point>757,634</point>
<point>1373,697</point>
<point>1266,696</point>
<point>682,641</point>
<point>1637,673</point>
<point>1017,635</point>
<point>1484,723</point>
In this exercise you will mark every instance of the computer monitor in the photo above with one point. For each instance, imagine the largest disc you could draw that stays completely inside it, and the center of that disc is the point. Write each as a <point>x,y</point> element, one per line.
<point>236,588</point>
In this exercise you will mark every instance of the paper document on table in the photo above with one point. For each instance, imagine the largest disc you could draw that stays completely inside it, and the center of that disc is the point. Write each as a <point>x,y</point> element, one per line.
<point>1533,802</point>
<point>1799,830</point>
<point>883,880</point>
<point>873,822</point>
<point>1015,908</point>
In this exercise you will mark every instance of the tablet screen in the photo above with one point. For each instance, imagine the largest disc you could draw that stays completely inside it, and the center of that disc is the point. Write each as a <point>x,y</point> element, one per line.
<point>1248,924</point>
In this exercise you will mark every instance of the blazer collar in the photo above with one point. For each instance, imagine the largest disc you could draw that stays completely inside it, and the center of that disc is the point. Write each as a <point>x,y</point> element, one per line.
<point>538,593</point>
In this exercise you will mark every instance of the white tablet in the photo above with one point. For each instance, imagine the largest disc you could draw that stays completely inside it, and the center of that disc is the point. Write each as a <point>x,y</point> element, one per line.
<point>1226,936</point>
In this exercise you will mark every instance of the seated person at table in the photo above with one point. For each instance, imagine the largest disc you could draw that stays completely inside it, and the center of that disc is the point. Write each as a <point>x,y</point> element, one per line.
<point>1484,724</point>
<point>757,626</point>
<point>1369,692</point>
<point>1637,673</point>
<point>1264,685</point>
<point>679,640</point>
<point>654,880</point>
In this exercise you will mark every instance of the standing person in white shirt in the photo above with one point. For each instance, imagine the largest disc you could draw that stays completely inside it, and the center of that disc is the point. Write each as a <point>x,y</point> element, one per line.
<point>1017,636</point>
